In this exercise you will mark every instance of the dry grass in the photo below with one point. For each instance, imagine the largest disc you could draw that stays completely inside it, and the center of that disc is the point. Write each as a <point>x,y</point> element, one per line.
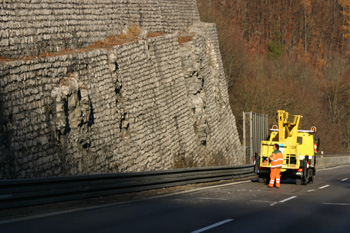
<point>155,34</point>
<point>184,39</point>
<point>5,59</point>
<point>108,43</point>
<point>113,40</point>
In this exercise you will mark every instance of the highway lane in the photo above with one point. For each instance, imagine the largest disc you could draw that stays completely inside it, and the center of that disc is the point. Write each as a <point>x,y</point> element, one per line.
<point>248,206</point>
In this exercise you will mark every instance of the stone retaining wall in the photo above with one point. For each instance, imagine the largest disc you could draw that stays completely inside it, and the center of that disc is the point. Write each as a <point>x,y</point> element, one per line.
<point>32,27</point>
<point>150,104</point>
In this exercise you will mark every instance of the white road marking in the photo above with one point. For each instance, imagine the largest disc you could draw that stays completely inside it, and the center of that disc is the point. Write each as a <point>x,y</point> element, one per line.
<point>344,204</point>
<point>323,187</point>
<point>212,226</point>
<point>274,203</point>
<point>215,199</point>
<point>287,199</point>
<point>311,190</point>
<point>344,179</point>
<point>262,201</point>
<point>331,168</point>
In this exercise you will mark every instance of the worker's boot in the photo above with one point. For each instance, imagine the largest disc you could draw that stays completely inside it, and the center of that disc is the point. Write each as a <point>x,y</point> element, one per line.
<point>278,183</point>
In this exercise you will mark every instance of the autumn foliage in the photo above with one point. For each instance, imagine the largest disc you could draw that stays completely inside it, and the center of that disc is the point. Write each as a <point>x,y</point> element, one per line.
<point>291,55</point>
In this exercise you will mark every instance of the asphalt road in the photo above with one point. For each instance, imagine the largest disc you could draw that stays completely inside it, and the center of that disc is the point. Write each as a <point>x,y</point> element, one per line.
<point>247,206</point>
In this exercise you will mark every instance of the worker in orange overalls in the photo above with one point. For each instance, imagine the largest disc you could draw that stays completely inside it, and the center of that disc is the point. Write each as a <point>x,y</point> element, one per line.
<point>276,165</point>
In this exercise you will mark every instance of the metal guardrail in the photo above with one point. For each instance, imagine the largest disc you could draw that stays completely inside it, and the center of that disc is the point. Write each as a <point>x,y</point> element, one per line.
<point>28,192</point>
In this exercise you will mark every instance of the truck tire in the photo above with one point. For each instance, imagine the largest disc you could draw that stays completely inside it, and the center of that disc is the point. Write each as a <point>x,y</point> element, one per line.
<point>311,180</point>
<point>262,179</point>
<point>301,181</point>
<point>298,181</point>
<point>311,175</point>
<point>305,175</point>
<point>257,163</point>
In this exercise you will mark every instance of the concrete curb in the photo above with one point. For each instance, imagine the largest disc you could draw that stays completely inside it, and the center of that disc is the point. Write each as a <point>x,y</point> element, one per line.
<point>325,162</point>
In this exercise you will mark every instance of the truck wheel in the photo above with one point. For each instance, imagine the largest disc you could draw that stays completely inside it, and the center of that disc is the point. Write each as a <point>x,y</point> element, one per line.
<point>311,176</point>
<point>262,180</point>
<point>311,180</point>
<point>299,182</point>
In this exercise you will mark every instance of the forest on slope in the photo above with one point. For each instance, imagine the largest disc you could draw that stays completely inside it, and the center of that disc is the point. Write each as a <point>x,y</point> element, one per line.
<point>291,55</point>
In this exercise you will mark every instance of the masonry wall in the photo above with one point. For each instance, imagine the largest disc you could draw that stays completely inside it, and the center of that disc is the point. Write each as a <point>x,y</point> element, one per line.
<point>213,120</point>
<point>32,27</point>
<point>151,104</point>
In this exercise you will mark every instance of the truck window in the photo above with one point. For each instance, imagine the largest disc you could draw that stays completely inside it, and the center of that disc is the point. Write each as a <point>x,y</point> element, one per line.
<point>300,140</point>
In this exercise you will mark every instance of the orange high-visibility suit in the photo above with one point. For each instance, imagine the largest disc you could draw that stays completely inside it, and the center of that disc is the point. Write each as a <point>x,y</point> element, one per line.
<point>276,165</point>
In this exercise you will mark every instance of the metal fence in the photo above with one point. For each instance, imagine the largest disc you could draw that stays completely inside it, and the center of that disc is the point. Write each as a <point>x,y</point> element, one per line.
<point>258,131</point>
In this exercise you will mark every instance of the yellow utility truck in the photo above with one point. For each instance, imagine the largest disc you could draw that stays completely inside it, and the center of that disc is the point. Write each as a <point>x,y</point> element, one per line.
<point>298,148</point>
